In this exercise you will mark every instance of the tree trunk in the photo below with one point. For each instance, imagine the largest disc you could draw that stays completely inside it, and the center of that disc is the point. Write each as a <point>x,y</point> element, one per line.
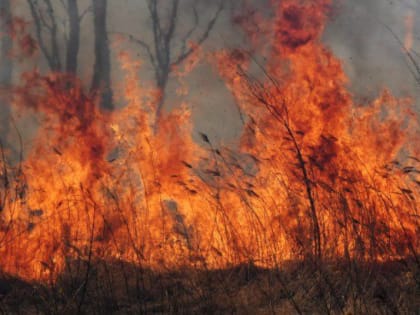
<point>46,31</point>
<point>74,37</point>
<point>6,68</point>
<point>162,82</point>
<point>101,81</point>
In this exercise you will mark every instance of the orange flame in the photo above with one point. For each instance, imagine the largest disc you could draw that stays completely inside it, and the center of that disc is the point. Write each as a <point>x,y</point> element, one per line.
<point>314,174</point>
<point>409,29</point>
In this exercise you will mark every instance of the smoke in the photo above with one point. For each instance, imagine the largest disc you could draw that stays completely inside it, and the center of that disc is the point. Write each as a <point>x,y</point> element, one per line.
<point>363,33</point>
<point>368,36</point>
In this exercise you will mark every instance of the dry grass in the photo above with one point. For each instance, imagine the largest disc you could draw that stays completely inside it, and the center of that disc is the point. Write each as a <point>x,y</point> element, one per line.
<point>345,287</point>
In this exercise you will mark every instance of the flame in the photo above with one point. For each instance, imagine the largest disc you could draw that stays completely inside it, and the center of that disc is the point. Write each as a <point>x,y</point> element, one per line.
<point>325,158</point>
<point>409,29</point>
<point>315,173</point>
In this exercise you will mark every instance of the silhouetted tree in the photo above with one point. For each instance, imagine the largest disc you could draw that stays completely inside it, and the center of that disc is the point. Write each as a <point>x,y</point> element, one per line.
<point>46,30</point>
<point>48,35</point>
<point>102,69</point>
<point>169,48</point>
<point>74,36</point>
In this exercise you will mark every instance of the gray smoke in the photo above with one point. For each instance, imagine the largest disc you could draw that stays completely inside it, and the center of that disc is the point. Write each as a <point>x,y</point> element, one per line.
<point>366,35</point>
<point>363,33</point>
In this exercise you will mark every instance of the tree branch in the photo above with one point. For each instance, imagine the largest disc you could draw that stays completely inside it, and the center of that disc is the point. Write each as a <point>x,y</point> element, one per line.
<point>203,37</point>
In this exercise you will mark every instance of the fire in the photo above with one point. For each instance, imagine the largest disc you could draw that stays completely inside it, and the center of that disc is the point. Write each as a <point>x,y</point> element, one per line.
<point>315,174</point>
<point>409,28</point>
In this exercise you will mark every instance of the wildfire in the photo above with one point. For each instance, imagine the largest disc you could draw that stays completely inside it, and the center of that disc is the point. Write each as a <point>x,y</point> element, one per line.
<point>409,28</point>
<point>315,173</point>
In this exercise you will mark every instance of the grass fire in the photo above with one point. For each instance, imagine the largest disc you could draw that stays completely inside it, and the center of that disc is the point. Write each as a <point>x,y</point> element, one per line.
<point>114,199</point>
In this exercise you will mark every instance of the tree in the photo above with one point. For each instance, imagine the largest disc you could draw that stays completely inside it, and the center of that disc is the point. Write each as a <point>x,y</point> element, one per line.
<point>6,66</point>
<point>74,36</point>
<point>169,48</point>
<point>101,80</point>
<point>47,33</point>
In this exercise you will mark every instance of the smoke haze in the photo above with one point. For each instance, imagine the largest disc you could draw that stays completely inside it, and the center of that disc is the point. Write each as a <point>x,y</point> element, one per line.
<point>364,34</point>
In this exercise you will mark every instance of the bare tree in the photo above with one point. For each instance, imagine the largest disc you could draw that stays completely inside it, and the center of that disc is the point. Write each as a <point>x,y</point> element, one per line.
<point>47,24</point>
<point>168,47</point>
<point>46,29</point>
<point>101,80</point>
<point>47,32</point>
<point>6,66</point>
<point>74,36</point>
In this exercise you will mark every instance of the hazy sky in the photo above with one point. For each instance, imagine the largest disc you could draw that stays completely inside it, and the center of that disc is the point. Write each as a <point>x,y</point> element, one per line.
<point>359,34</point>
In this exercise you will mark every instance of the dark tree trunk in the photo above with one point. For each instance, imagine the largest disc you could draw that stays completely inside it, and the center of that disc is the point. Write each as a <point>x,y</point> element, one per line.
<point>46,31</point>
<point>74,37</point>
<point>102,70</point>
<point>6,68</point>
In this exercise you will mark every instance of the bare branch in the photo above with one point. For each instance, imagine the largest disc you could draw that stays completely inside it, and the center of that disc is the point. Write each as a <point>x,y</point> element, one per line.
<point>172,22</point>
<point>54,42</point>
<point>38,31</point>
<point>141,43</point>
<point>86,11</point>
<point>191,30</point>
<point>201,39</point>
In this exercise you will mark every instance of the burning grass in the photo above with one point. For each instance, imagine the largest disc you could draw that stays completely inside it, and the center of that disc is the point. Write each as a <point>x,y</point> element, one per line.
<point>315,212</point>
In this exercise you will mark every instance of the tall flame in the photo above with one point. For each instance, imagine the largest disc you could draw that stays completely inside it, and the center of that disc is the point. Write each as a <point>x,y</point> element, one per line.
<point>315,173</point>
